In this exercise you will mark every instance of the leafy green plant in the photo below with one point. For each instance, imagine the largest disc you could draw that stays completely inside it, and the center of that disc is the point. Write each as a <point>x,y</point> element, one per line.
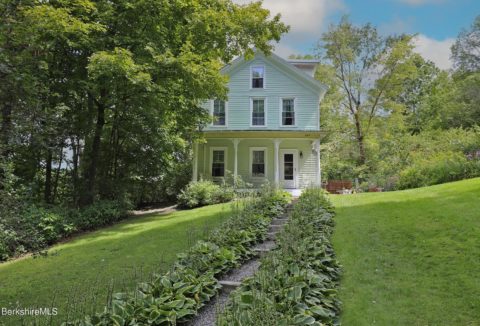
<point>203,193</point>
<point>99,214</point>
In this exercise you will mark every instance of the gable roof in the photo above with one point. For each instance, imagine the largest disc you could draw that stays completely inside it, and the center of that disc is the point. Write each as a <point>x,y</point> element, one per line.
<point>286,66</point>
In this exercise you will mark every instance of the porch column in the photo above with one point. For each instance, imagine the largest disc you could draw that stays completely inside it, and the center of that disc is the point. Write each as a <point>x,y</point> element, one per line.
<point>276,143</point>
<point>319,173</point>
<point>205,168</point>
<point>195,163</point>
<point>236,141</point>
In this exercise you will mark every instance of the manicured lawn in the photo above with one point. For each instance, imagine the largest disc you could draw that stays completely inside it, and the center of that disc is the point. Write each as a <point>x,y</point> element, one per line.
<point>117,256</point>
<point>410,257</point>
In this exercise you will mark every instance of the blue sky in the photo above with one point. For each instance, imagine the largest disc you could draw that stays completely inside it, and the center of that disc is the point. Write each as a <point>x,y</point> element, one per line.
<point>437,22</point>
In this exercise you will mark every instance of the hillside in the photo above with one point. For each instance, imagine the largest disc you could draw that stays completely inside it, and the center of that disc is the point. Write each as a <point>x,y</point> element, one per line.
<point>410,257</point>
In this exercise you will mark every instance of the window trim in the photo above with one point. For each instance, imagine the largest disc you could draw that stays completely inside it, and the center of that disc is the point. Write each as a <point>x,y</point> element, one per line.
<point>250,81</point>
<point>225,155</point>
<point>265,111</point>
<point>265,151</point>
<point>212,106</point>
<point>294,112</point>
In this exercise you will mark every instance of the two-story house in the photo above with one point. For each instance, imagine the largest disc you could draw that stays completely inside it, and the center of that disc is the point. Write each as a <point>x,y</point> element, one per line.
<point>269,129</point>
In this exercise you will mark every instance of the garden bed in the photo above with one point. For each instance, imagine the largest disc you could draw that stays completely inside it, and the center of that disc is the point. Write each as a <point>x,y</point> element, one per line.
<point>297,282</point>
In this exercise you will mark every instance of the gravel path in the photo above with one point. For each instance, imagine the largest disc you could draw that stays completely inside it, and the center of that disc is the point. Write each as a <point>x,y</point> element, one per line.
<point>246,270</point>
<point>267,245</point>
<point>208,314</point>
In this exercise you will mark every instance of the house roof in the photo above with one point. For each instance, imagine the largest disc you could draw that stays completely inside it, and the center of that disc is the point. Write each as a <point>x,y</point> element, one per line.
<point>306,61</point>
<point>286,65</point>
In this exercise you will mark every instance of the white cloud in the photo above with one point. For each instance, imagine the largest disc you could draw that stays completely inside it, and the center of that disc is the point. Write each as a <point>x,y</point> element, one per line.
<point>284,50</point>
<point>434,50</point>
<point>421,2</point>
<point>307,20</point>
<point>304,16</point>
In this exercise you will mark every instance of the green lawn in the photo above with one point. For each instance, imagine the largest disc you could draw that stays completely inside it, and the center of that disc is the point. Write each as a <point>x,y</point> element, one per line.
<point>410,257</point>
<point>117,256</point>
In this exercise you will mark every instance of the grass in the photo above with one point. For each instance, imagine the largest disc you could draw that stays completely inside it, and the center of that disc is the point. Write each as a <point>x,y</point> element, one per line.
<point>89,266</point>
<point>410,257</point>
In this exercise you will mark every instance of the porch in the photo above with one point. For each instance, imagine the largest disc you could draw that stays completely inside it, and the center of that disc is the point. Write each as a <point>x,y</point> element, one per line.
<point>291,163</point>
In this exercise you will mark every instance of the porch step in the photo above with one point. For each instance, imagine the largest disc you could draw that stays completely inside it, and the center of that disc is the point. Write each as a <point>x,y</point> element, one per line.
<point>279,221</point>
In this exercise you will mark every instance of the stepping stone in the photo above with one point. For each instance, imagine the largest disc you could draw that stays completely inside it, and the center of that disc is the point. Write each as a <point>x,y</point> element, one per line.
<point>271,235</point>
<point>279,221</point>
<point>275,228</point>
<point>229,286</point>
<point>261,251</point>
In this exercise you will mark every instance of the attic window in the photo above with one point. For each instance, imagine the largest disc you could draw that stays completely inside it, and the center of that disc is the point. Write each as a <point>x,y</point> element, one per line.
<point>258,75</point>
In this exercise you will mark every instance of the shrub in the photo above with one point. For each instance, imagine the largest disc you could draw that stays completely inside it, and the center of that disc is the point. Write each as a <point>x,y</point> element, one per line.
<point>50,225</point>
<point>101,213</point>
<point>438,168</point>
<point>203,193</point>
<point>32,228</point>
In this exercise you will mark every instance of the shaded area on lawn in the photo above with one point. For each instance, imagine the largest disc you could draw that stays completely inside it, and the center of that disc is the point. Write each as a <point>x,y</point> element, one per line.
<point>90,265</point>
<point>410,257</point>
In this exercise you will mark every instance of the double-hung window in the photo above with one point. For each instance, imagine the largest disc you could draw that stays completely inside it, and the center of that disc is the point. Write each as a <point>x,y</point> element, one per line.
<point>219,113</point>
<point>258,112</point>
<point>288,112</point>
<point>258,162</point>
<point>218,163</point>
<point>258,77</point>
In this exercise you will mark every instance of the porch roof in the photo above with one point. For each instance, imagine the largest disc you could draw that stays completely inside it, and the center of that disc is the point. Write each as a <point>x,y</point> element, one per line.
<point>300,134</point>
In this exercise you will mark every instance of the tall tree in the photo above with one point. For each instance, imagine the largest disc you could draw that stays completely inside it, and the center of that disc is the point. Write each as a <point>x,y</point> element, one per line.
<point>369,69</point>
<point>119,83</point>
<point>466,50</point>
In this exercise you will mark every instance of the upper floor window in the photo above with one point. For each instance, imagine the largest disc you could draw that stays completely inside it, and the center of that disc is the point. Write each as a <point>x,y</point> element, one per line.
<point>288,112</point>
<point>218,162</point>
<point>258,112</point>
<point>258,77</point>
<point>219,113</point>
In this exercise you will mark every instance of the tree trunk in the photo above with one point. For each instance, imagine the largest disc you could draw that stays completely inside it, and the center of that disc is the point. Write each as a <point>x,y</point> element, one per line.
<point>360,140</point>
<point>5,139</point>
<point>6,130</point>
<point>48,178</point>
<point>57,176</point>
<point>95,153</point>
<point>75,155</point>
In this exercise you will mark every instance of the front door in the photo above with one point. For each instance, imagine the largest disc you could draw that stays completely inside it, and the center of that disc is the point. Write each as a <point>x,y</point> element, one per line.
<point>288,168</point>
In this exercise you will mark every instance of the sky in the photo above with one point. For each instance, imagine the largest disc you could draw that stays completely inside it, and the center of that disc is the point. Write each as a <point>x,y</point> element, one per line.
<point>435,22</point>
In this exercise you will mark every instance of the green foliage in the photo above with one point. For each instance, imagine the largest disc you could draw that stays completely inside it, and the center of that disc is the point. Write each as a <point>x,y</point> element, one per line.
<point>296,283</point>
<point>203,193</point>
<point>465,50</point>
<point>32,228</point>
<point>352,56</point>
<point>119,85</point>
<point>99,214</point>
<point>177,296</point>
<point>439,168</point>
